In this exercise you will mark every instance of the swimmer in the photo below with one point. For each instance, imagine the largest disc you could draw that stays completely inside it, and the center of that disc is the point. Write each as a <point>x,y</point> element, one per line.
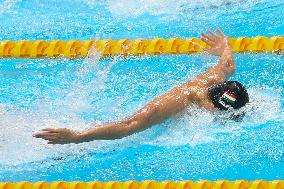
<point>210,90</point>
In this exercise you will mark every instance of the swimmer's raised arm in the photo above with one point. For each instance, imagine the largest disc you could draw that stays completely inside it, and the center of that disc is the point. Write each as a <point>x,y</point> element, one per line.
<point>219,46</point>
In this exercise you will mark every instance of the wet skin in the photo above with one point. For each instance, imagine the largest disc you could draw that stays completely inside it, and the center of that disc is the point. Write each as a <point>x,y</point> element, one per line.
<point>194,91</point>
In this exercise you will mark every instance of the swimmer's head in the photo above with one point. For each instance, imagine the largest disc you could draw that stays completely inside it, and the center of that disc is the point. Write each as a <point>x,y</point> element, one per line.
<point>228,95</point>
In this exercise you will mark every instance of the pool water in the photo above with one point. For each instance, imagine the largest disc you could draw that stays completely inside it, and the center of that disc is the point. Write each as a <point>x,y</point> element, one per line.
<point>194,144</point>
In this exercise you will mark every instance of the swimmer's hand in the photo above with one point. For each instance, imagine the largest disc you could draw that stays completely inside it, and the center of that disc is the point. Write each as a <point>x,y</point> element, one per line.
<point>58,135</point>
<point>218,43</point>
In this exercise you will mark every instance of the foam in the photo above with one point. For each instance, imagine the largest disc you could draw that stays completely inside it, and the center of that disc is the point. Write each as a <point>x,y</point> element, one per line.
<point>7,6</point>
<point>125,8</point>
<point>18,124</point>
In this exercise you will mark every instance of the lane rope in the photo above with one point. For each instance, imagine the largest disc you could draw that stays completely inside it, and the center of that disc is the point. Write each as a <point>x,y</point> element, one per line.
<point>79,49</point>
<point>149,184</point>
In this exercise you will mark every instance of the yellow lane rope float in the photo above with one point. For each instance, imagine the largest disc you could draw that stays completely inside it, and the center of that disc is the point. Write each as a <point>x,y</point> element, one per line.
<point>150,184</point>
<point>79,49</point>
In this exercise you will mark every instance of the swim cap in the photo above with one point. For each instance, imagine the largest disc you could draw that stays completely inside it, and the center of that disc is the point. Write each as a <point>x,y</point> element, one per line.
<point>230,94</point>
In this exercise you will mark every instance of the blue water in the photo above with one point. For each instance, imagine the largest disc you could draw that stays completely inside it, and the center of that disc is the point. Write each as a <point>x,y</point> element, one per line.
<point>35,94</point>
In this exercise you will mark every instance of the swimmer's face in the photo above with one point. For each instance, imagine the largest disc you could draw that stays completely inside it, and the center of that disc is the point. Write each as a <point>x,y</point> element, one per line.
<point>228,95</point>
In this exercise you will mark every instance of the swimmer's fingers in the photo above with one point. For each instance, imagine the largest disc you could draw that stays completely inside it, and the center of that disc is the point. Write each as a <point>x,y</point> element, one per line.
<point>51,130</point>
<point>58,136</point>
<point>215,36</point>
<point>221,33</point>
<point>207,37</point>
<point>208,50</point>
<point>208,42</point>
<point>44,135</point>
<point>52,138</point>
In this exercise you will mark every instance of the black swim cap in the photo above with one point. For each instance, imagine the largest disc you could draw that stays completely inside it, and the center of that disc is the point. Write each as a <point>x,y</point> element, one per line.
<point>228,94</point>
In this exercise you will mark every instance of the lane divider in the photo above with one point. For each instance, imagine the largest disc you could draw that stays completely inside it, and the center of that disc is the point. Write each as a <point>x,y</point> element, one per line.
<point>107,47</point>
<point>149,184</point>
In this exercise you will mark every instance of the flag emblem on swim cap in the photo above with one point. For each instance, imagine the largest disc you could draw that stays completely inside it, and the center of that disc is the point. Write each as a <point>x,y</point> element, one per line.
<point>229,97</point>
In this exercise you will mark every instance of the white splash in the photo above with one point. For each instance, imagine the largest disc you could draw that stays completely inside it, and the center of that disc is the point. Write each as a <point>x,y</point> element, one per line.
<point>17,125</point>
<point>7,5</point>
<point>133,8</point>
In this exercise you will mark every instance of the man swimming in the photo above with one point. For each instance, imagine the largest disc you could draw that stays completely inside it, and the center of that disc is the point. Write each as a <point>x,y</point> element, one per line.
<point>209,90</point>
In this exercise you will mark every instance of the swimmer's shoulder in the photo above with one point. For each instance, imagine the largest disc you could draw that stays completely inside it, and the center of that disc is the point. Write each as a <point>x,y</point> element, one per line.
<point>202,100</point>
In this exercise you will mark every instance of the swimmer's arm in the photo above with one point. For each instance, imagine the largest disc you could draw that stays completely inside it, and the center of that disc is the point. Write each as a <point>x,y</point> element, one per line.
<point>111,131</point>
<point>219,46</point>
<point>227,63</point>
<point>153,113</point>
<point>65,136</point>
<point>106,132</point>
